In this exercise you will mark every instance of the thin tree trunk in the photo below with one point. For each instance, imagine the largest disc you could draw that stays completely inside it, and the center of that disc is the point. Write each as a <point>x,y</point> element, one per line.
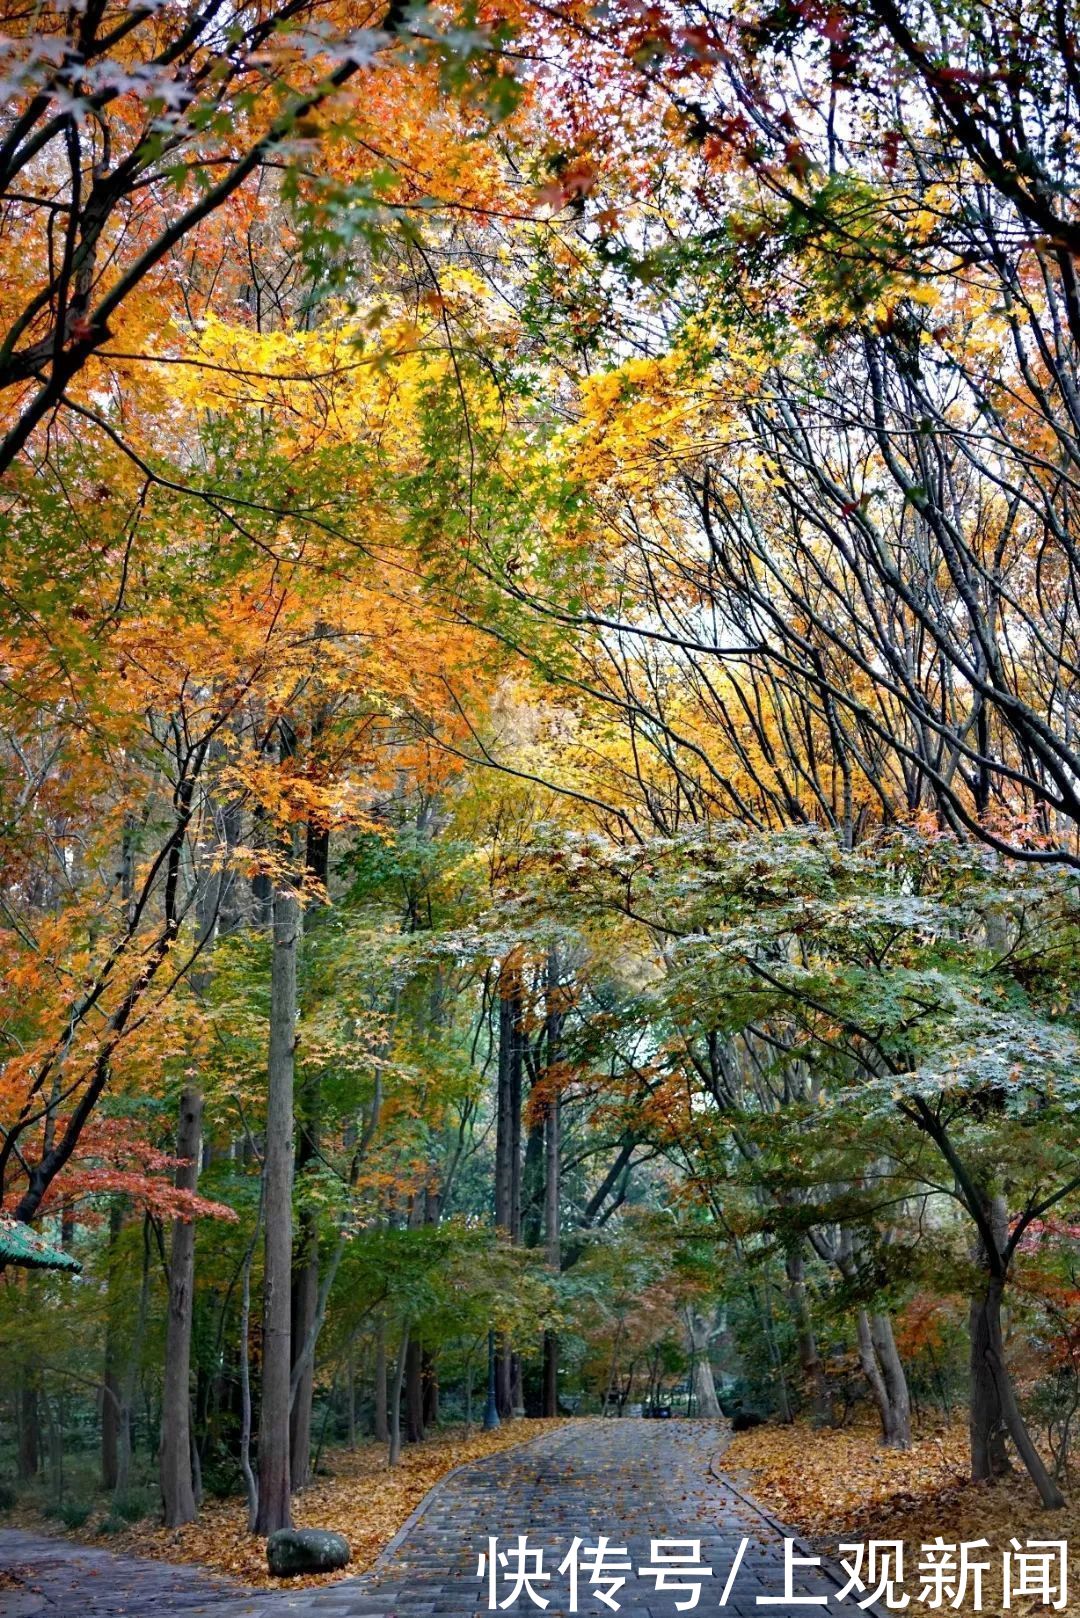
<point>274,1476</point>
<point>993,1348</point>
<point>414,1394</point>
<point>809,1358</point>
<point>304,1302</point>
<point>381,1417</point>
<point>29,1445</point>
<point>110,1392</point>
<point>251,1483</point>
<point>395,1398</point>
<point>177,1489</point>
<point>305,1282</point>
<point>872,1372</point>
<point>429,1382</point>
<point>986,1422</point>
<point>898,1432</point>
<point>552,1170</point>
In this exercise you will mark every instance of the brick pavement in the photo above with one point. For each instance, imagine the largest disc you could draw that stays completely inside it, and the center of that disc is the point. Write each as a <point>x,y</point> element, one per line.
<point>632,1480</point>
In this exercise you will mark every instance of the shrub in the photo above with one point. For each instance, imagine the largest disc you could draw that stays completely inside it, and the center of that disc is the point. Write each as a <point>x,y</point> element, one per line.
<point>130,1507</point>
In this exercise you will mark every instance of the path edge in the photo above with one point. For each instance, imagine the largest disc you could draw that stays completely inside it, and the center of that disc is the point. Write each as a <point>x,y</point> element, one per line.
<point>829,1565</point>
<point>422,1506</point>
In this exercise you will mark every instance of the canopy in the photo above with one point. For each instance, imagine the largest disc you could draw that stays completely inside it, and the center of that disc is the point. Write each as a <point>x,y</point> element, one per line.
<point>21,1245</point>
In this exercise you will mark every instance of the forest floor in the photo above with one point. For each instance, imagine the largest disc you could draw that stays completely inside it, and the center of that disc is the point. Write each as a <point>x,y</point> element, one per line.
<point>635,1482</point>
<point>362,1498</point>
<point>834,1486</point>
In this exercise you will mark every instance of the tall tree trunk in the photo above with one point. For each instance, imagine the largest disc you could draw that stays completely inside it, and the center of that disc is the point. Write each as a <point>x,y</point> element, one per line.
<point>305,1281</point>
<point>350,1399</point>
<point>872,1372</point>
<point>878,1354</point>
<point>274,1475</point>
<point>809,1358</point>
<point>381,1422</point>
<point>395,1398</point>
<point>177,1488</point>
<point>304,1302</point>
<point>28,1453</point>
<point>429,1379</point>
<point>508,1153</point>
<point>898,1429</point>
<point>414,1394</point>
<point>986,1422</point>
<point>552,1169</point>
<point>988,1332</point>
<point>111,1390</point>
<point>130,1379</point>
<point>702,1385</point>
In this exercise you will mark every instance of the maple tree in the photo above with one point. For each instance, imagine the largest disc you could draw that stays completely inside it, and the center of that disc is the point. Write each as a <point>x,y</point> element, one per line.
<point>538,619</point>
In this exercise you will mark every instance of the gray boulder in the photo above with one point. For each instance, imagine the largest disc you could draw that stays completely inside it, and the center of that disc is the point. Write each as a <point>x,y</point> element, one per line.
<point>306,1550</point>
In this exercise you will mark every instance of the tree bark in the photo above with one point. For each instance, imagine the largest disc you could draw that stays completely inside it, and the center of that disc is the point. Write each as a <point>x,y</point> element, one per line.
<point>986,1423</point>
<point>809,1358</point>
<point>429,1380</point>
<point>274,1473</point>
<point>414,1394</point>
<point>29,1446</point>
<point>898,1428</point>
<point>177,1488</point>
<point>305,1280</point>
<point>702,1385</point>
<point>111,1390</point>
<point>381,1422</point>
<point>395,1398</point>
<point>305,1295</point>
<point>986,1318</point>
<point>552,1171</point>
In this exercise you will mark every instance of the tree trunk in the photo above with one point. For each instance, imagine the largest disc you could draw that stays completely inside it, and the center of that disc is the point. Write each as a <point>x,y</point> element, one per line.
<point>381,1422</point>
<point>702,1385</point>
<point>993,1348</point>
<point>305,1280</point>
<point>552,1170</point>
<point>429,1378</point>
<point>809,1358</point>
<point>986,1422</point>
<point>177,1489</point>
<point>898,1429</point>
<point>305,1298</point>
<point>508,1152</point>
<point>111,1391</point>
<point>274,1476</point>
<point>395,1398</point>
<point>872,1372</point>
<point>29,1447</point>
<point>414,1394</point>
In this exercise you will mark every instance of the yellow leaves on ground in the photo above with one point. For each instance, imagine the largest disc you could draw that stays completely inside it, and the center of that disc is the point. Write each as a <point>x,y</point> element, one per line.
<point>834,1481</point>
<point>365,1500</point>
<point>844,1486</point>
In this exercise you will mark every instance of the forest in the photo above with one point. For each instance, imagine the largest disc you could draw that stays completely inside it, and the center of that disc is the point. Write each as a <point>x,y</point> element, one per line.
<point>539,753</point>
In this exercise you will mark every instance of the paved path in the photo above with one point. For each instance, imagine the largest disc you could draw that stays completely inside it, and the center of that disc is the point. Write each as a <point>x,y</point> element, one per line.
<point>632,1480</point>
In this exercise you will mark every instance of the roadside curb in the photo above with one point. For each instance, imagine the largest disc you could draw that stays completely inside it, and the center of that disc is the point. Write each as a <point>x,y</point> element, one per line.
<point>386,1555</point>
<point>829,1566</point>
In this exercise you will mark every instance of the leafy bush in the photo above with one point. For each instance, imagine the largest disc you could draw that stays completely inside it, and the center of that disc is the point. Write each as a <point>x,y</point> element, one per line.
<point>73,1513</point>
<point>7,1496</point>
<point>131,1507</point>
